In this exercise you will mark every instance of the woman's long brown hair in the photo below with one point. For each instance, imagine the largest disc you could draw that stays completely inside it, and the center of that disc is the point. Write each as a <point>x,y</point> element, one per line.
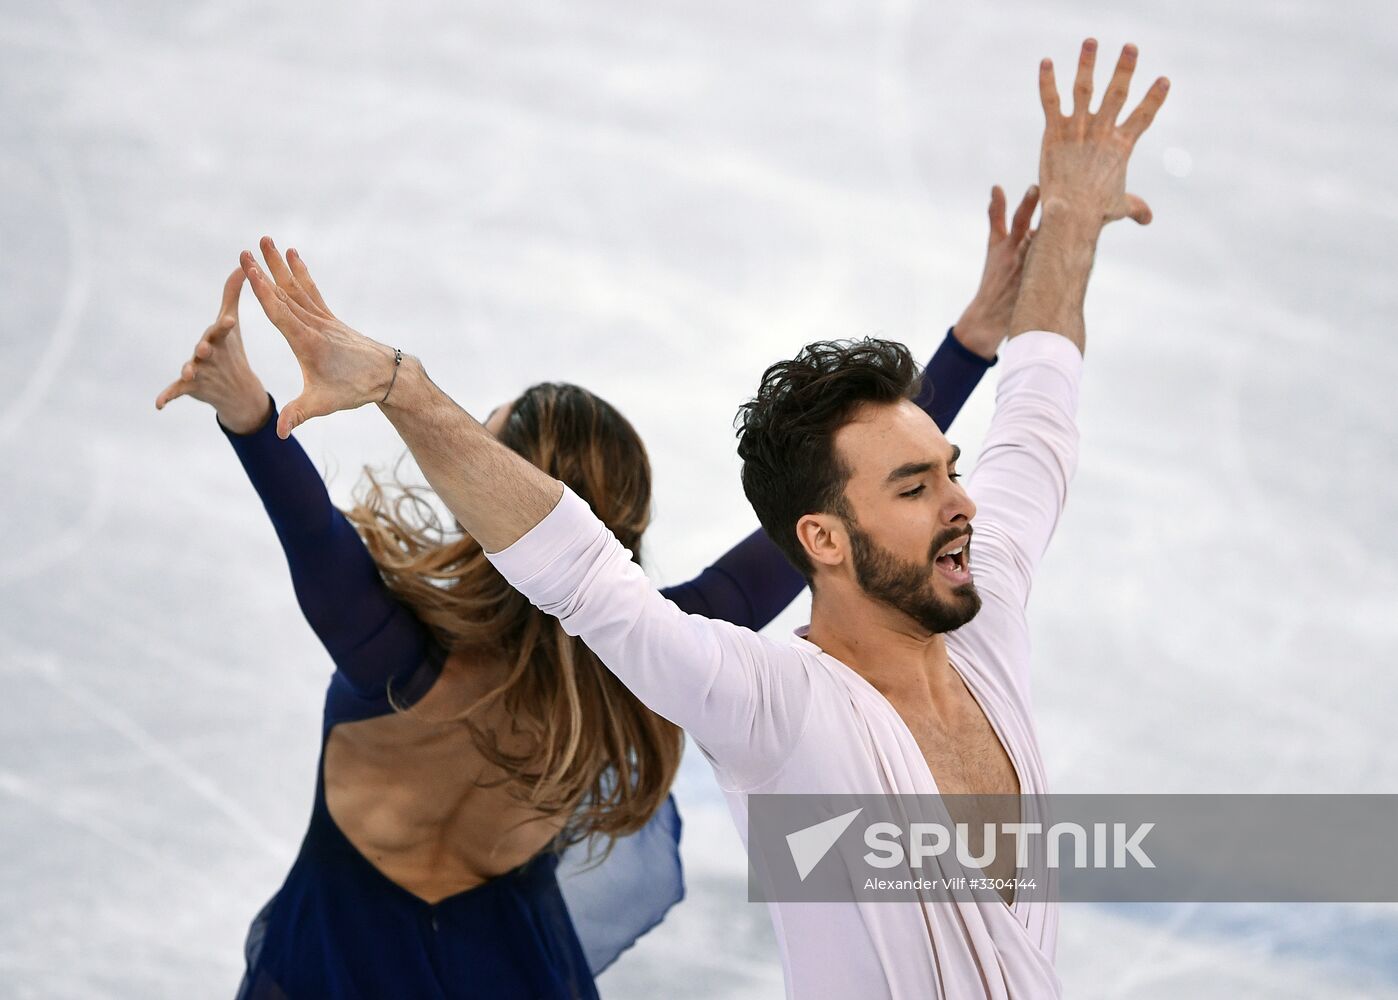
<point>593,751</point>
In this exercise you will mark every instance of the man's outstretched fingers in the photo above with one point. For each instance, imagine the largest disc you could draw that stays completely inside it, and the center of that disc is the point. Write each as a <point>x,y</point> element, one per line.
<point>297,412</point>
<point>304,279</point>
<point>1020,226</point>
<point>1048,93</point>
<point>307,315</point>
<point>276,267</point>
<point>1138,211</point>
<point>275,306</point>
<point>1144,114</point>
<point>282,275</point>
<point>1082,84</point>
<point>288,420</point>
<point>1115,97</point>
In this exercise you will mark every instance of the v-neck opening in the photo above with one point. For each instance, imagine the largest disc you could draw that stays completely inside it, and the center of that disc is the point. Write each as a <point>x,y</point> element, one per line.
<point>898,716</point>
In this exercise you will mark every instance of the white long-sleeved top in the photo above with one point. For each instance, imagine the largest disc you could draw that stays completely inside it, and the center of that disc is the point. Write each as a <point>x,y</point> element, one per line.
<point>785,717</point>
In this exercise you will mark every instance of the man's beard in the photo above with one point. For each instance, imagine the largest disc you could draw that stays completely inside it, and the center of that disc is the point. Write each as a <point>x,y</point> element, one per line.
<point>908,586</point>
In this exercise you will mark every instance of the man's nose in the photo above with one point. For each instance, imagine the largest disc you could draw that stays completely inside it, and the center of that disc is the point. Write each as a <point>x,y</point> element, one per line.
<point>961,508</point>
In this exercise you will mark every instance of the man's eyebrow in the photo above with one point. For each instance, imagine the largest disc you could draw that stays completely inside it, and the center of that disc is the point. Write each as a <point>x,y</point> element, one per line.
<point>910,469</point>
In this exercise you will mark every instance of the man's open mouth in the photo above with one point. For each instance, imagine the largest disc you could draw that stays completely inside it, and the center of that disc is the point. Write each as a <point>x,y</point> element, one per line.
<point>955,560</point>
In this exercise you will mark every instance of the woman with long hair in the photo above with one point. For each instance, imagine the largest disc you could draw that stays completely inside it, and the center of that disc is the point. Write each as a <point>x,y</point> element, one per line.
<point>469,743</point>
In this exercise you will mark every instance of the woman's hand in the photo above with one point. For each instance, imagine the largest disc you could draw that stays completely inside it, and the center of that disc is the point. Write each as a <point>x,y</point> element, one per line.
<point>219,374</point>
<point>986,321</point>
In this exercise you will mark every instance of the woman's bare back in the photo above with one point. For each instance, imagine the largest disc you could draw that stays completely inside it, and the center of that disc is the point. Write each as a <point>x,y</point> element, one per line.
<point>413,793</point>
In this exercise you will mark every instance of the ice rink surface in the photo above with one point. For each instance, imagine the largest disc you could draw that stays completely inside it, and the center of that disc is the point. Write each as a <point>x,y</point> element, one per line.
<point>656,201</point>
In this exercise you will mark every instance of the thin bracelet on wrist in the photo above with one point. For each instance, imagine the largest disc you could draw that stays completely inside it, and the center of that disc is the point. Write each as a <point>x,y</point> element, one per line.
<point>397,360</point>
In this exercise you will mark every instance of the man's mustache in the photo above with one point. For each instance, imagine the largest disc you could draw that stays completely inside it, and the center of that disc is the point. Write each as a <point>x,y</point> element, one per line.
<point>946,538</point>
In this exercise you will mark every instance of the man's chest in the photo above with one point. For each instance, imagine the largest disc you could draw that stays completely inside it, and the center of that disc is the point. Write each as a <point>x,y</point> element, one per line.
<point>961,748</point>
<point>970,764</point>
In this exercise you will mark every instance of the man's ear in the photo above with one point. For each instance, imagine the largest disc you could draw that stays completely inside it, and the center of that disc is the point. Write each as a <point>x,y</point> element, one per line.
<point>824,538</point>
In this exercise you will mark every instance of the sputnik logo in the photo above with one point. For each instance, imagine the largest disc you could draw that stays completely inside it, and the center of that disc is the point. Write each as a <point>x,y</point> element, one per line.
<point>812,843</point>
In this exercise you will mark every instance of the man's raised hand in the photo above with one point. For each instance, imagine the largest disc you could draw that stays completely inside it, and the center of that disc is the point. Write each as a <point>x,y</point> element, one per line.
<point>341,369</point>
<point>1082,164</point>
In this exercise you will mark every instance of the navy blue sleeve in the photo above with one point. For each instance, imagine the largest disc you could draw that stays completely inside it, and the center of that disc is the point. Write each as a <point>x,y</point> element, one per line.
<point>749,585</point>
<point>949,379</point>
<point>753,582</point>
<point>372,637</point>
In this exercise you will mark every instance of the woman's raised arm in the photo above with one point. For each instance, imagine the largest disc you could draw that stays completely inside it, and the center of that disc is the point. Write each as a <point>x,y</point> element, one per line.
<point>371,637</point>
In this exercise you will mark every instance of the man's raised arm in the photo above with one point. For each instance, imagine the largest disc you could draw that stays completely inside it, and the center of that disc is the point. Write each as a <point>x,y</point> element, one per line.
<point>740,696</point>
<point>1020,483</point>
<point>495,494</point>
<point>1082,187</point>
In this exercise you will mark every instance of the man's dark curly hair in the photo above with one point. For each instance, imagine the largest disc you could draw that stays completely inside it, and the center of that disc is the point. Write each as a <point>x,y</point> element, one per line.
<point>786,433</point>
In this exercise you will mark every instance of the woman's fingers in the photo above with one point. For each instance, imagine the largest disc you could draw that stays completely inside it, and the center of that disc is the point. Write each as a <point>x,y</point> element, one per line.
<point>182,386</point>
<point>219,330</point>
<point>208,344</point>
<point>1020,224</point>
<point>997,214</point>
<point>232,291</point>
<point>174,390</point>
<point>227,310</point>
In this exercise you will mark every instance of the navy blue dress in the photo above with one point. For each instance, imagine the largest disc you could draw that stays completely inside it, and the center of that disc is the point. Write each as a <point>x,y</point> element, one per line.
<point>338,927</point>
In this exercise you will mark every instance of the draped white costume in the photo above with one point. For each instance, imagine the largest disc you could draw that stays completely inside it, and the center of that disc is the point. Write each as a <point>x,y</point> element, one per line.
<point>783,716</point>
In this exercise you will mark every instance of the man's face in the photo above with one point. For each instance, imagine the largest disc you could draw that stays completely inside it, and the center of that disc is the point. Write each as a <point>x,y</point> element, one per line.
<point>910,533</point>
